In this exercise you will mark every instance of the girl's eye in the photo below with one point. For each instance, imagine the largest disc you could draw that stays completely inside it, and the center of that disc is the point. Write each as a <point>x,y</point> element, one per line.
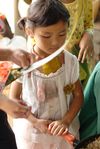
<point>62,34</point>
<point>45,36</point>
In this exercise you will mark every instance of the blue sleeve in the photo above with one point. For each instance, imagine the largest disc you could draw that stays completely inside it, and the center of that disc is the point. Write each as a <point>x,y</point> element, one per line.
<point>97,96</point>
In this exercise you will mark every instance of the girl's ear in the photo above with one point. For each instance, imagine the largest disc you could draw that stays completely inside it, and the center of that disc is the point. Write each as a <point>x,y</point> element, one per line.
<point>29,32</point>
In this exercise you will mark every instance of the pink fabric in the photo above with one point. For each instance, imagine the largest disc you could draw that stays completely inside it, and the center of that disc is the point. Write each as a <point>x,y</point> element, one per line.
<point>40,91</point>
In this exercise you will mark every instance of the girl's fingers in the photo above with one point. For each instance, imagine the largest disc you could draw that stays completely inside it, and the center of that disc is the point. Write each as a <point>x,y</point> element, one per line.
<point>65,132</point>
<point>56,130</point>
<point>50,126</point>
<point>53,130</point>
<point>61,131</point>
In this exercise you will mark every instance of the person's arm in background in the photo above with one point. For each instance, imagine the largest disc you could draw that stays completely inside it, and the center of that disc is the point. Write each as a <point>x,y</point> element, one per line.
<point>86,42</point>
<point>88,20</point>
<point>96,6</point>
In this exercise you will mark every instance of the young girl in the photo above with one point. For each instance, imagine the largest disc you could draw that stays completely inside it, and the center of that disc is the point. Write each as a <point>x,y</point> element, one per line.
<point>53,91</point>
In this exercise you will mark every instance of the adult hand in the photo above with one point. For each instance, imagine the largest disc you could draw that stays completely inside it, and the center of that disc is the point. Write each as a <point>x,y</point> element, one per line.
<point>86,47</point>
<point>14,109</point>
<point>21,58</point>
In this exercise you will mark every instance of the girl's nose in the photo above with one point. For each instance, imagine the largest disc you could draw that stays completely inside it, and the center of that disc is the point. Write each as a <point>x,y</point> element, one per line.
<point>55,42</point>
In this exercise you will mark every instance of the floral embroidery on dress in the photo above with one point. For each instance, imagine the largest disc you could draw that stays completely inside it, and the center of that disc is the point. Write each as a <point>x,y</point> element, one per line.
<point>69,89</point>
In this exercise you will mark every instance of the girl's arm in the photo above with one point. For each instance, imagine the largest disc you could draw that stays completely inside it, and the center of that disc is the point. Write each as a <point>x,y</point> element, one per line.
<point>15,90</point>
<point>15,93</point>
<point>60,127</point>
<point>75,105</point>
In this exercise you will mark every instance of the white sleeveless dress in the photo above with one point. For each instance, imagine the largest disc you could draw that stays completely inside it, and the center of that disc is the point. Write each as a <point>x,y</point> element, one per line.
<point>51,104</point>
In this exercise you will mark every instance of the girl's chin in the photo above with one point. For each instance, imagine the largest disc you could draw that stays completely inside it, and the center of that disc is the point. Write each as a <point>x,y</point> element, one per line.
<point>52,51</point>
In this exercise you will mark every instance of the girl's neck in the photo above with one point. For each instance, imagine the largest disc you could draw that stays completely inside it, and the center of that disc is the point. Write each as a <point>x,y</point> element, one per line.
<point>67,1</point>
<point>39,52</point>
<point>53,65</point>
<point>42,54</point>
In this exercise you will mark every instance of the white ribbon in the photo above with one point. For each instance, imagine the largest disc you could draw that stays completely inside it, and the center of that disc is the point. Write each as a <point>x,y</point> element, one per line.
<point>42,62</point>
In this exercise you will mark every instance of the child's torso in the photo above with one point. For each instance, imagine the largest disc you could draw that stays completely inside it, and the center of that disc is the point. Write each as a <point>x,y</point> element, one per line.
<point>45,92</point>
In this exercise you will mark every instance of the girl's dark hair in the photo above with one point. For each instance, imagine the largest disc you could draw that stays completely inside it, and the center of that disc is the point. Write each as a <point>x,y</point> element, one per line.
<point>44,13</point>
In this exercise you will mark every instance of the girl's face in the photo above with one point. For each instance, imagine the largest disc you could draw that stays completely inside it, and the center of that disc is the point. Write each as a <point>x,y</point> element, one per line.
<point>51,38</point>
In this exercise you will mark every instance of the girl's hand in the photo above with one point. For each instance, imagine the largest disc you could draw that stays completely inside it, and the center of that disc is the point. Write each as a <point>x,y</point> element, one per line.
<point>42,125</point>
<point>58,128</point>
<point>86,47</point>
